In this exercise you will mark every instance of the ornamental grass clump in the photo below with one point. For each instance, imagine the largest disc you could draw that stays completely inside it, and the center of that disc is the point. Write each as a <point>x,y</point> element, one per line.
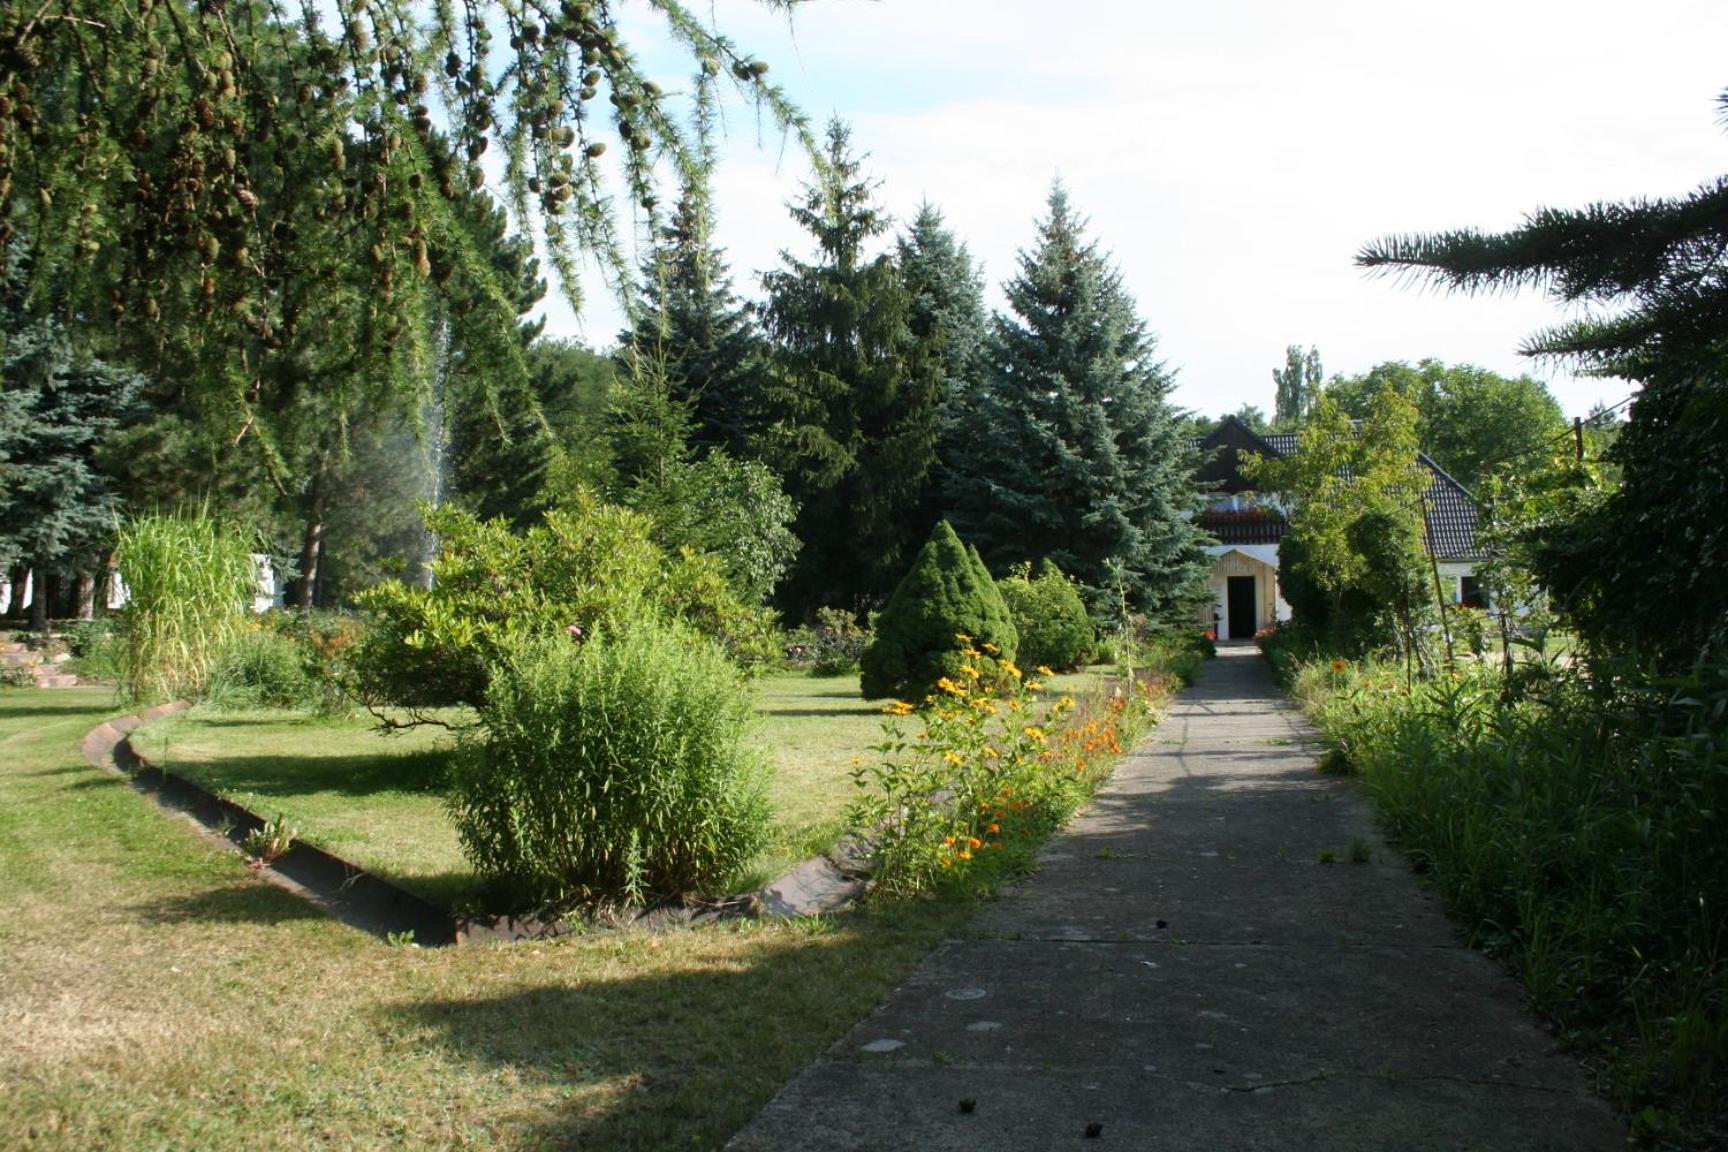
<point>612,770</point>
<point>190,578</point>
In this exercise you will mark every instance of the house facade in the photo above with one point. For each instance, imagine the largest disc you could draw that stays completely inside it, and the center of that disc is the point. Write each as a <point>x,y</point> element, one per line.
<point>1249,525</point>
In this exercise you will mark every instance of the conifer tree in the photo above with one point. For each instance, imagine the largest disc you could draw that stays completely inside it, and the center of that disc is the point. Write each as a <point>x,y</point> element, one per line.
<point>1071,450</point>
<point>948,324</point>
<point>945,614</point>
<point>58,508</point>
<point>853,410</point>
<point>691,321</point>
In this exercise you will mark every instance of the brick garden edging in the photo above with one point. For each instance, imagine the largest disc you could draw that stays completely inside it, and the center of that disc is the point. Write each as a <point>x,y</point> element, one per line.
<point>361,900</point>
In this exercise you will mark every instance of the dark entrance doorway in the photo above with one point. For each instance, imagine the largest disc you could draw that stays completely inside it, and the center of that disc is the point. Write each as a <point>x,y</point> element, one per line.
<point>1240,599</point>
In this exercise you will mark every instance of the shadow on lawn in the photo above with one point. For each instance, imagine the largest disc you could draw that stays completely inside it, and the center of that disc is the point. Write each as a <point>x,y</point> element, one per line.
<point>249,904</point>
<point>33,702</point>
<point>291,775</point>
<point>683,1056</point>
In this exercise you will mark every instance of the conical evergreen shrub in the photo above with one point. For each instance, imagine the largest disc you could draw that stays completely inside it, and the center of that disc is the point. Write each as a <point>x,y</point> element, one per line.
<point>947,594</point>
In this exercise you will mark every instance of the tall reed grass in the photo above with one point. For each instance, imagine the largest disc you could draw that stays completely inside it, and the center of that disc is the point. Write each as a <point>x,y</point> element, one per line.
<point>1577,830</point>
<point>190,578</point>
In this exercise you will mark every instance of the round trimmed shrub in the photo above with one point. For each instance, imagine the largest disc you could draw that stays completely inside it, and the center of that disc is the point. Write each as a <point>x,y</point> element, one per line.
<point>611,770</point>
<point>1055,629</point>
<point>947,594</point>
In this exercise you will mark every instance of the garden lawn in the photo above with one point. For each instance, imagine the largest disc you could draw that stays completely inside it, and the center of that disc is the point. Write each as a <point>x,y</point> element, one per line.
<point>377,800</point>
<point>158,996</point>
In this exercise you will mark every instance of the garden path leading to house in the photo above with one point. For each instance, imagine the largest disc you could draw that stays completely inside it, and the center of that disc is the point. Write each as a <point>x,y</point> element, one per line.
<point>1219,953</point>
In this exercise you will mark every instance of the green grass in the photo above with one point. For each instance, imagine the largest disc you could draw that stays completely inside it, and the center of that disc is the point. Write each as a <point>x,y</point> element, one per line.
<point>371,798</point>
<point>158,996</point>
<point>377,800</point>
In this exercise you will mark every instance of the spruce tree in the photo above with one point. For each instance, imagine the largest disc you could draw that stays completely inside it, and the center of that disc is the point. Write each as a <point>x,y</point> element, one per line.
<point>691,321</point>
<point>853,410</point>
<point>58,509</point>
<point>1070,449</point>
<point>947,594</point>
<point>948,324</point>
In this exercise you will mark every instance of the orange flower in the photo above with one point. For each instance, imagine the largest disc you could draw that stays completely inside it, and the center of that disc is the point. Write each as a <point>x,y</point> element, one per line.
<point>994,829</point>
<point>963,854</point>
<point>973,841</point>
<point>949,840</point>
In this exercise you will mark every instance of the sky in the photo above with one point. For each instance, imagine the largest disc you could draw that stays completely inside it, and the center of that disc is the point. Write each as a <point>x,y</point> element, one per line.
<point>1232,156</point>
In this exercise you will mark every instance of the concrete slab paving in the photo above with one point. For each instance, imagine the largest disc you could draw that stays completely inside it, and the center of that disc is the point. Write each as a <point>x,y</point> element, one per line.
<point>1220,953</point>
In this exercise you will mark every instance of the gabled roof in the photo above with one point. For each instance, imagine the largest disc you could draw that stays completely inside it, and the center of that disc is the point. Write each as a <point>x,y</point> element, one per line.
<point>1453,518</point>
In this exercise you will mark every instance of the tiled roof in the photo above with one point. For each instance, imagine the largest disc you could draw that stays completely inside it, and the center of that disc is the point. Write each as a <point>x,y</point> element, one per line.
<point>1453,518</point>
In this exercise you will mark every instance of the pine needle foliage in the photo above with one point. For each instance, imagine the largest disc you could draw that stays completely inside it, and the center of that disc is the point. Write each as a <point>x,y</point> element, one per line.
<point>851,412</point>
<point>1070,449</point>
<point>234,183</point>
<point>1639,571</point>
<point>945,606</point>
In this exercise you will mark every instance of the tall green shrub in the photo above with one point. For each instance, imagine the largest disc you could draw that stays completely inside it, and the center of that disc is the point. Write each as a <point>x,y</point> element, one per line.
<point>1055,630</point>
<point>589,565</point>
<point>947,594</point>
<point>190,579</point>
<point>611,770</point>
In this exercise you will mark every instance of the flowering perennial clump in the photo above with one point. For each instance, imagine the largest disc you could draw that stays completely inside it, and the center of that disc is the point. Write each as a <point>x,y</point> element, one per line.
<point>993,768</point>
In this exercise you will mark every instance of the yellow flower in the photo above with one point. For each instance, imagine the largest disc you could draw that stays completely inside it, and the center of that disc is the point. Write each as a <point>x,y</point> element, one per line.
<point>963,854</point>
<point>1339,665</point>
<point>991,648</point>
<point>953,757</point>
<point>1011,668</point>
<point>1066,702</point>
<point>962,637</point>
<point>990,751</point>
<point>1045,670</point>
<point>950,687</point>
<point>1034,733</point>
<point>898,708</point>
<point>1034,685</point>
<point>969,672</point>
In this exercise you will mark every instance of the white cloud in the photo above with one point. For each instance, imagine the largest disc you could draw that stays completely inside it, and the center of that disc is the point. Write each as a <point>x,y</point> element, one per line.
<point>1235,155</point>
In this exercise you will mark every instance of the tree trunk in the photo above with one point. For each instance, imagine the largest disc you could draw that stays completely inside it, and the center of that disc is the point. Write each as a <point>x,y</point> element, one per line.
<point>311,554</point>
<point>39,601</point>
<point>312,549</point>
<point>86,596</point>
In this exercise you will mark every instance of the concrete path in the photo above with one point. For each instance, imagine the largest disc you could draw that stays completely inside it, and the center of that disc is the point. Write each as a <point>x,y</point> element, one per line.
<point>1184,972</point>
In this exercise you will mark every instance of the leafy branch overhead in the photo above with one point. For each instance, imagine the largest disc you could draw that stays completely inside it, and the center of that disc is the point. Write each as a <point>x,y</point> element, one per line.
<point>1655,269</point>
<point>148,149</point>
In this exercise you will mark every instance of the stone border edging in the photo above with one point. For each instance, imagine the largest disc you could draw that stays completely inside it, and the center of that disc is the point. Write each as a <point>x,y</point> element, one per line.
<point>361,900</point>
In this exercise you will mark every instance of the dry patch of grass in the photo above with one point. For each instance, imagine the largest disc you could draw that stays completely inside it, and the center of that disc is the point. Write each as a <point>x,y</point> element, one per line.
<point>157,996</point>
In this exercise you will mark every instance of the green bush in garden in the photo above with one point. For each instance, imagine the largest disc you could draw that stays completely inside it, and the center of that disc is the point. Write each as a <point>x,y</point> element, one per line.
<point>1055,629</point>
<point>262,669</point>
<point>191,579</point>
<point>948,594</point>
<point>611,769</point>
<point>590,566</point>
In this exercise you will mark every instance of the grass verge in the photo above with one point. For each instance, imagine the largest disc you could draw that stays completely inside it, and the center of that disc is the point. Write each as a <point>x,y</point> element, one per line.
<point>158,996</point>
<point>1573,829</point>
